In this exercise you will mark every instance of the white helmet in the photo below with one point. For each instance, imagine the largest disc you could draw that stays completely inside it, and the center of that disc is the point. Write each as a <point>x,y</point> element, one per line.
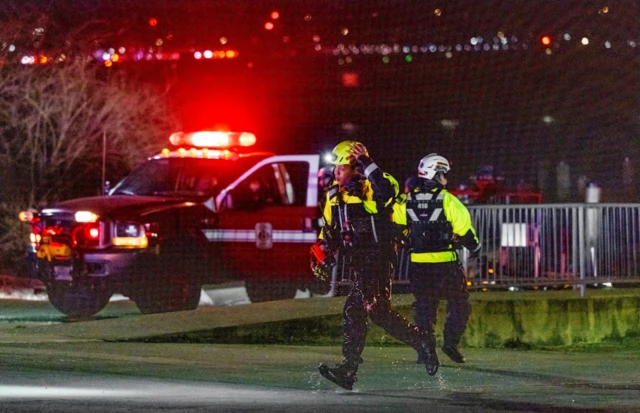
<point>431,164</point>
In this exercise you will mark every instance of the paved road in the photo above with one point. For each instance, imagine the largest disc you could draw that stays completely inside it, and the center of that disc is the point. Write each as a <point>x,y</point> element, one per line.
<point>86,367</point>
<point>96,376</point>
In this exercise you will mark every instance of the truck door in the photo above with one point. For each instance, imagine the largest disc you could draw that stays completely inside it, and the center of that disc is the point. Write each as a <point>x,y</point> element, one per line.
<point>267,220</point>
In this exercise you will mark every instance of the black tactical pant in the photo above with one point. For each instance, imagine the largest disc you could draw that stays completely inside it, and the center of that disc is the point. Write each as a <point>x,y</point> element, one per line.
<point>431,283</point>
<point>370,297</point>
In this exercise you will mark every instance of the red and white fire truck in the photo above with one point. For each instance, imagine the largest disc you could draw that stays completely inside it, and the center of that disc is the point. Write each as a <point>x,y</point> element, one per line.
<point>207,211</point>
<point>487,187</point>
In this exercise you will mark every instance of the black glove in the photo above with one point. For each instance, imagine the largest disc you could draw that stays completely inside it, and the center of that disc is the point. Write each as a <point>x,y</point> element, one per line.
<point>322,272</point>
<point>355,186</point>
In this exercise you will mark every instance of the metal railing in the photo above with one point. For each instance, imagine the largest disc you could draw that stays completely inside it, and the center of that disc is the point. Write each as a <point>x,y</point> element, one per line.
<point>548,244</point>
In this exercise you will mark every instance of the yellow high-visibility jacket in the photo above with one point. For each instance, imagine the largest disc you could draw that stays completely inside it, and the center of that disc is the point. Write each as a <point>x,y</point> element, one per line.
<point>459,218</point>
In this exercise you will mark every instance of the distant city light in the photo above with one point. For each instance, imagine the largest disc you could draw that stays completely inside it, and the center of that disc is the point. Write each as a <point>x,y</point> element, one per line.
<point>547,119</point>
<point>316,38</point>
<point>12,48</point>
<point>437,12</point>
<point>223,40</point>
<point>546,40</point>
<point>350,79</point>
<point>230,54</point>
<point>385,59</point>
<point>108,63</point>
<point>153,22</point>
<point>115,57</point>
<point>344,31</point>
<point>121,50</point>
<point>567,36</point>
<point>408,58</point>
<point>585,41</point>
<point>106,56</point>
<point>159,42</point>
<point>208,54</point>
<point>307,17</point>
<point>197,55</point>
<point>268,26</point>
<point>275,15</point>
<point>607,44</point>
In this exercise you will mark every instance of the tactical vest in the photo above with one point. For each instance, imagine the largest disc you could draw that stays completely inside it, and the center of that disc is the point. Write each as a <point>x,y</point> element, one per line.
<point>429,229</point>
<point>356,227</point>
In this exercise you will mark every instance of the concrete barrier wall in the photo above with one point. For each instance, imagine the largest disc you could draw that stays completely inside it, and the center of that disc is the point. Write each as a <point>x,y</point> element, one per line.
<point>497,320</point>
<point>552,322</point>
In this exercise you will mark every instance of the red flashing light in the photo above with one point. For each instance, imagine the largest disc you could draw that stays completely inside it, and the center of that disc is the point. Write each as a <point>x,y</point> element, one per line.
<point>275,15</point>
<point>268,26</point>
<point>247,139</point>
<point>213,139</point>
<point>153,22</point>
<point>546,40</point>
<point>94,233</point>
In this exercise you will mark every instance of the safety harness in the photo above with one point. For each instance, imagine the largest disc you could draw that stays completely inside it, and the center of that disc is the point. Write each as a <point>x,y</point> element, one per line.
<point>429,229</point>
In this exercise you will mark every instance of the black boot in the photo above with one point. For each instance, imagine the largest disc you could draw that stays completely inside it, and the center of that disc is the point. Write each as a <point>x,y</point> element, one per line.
<point>430,357</point>
<point>343,374</point>
<point>453,353</point>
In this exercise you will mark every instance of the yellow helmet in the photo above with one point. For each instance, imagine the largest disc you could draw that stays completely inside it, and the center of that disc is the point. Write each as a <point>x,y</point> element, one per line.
<point>342,153</point>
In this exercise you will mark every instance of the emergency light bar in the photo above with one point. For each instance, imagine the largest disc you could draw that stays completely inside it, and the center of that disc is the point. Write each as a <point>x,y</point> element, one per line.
<point>213,139</point>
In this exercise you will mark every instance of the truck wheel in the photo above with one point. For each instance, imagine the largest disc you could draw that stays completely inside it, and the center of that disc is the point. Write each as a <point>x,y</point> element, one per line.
<point>78,300</point>
<point>179,293</point>
<point>264,290</point>
<point>171,281</point>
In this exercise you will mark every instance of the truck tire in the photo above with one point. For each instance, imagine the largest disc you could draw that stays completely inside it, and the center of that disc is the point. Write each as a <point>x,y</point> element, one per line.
<point>269,290</point>
<point>177,294</point>
<point>171,281</point>
<point>78,299</point>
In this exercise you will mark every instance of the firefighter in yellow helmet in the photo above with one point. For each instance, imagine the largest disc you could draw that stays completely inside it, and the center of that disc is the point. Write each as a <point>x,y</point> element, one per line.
<point>357,217</point>
<point>437,222</point>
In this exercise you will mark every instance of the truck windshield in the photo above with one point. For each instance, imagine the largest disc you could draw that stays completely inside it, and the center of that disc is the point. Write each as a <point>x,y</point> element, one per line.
<point>183,177</point>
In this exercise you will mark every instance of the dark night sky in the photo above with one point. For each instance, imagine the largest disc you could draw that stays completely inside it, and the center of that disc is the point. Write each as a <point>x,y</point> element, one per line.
<point>297,102</point>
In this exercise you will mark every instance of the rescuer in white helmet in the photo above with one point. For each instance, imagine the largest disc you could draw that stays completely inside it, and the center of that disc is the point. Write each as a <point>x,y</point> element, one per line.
<point>437,223</point>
